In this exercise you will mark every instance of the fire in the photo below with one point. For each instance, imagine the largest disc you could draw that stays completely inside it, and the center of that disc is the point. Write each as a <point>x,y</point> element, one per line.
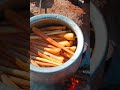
<point>74,83</point>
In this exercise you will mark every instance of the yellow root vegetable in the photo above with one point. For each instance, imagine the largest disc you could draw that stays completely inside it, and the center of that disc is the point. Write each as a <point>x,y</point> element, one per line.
<point>60,58</point>
<point>73,48</point>
<point>55,51</point>
<point>65,43</point>
<point>68,36</point>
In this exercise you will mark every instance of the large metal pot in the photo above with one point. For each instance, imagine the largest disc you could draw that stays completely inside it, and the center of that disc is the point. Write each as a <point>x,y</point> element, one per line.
<point>60,73</point>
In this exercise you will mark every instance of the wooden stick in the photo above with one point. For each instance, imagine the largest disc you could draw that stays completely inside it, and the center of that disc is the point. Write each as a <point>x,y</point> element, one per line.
<point>15,72</point>
<point>55,32</point>
<point>34,63</point>
<point>45,64</point>
<point>8,81</point>
<point>22,65</point>
<point>53,28</point>
<point>57,58</point>
<point>55,51</point>
<point>41,44</point>
<point>45,60</point>
<point>19,81</point>
<point>52,36</point>
<point>60,58</point>
<point>40,53</point>
<point>39,40</point>
<point>34,37</point>
<point>49,31</point>
<point>56,38</point>
<point>48,39</point>
<point>66,54</point>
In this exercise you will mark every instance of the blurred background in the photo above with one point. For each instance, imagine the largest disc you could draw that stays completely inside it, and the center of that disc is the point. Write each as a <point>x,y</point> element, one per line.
<point>110,11</point>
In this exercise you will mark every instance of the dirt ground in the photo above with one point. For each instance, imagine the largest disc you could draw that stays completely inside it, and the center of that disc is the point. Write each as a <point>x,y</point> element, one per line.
<point>64,7</point>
